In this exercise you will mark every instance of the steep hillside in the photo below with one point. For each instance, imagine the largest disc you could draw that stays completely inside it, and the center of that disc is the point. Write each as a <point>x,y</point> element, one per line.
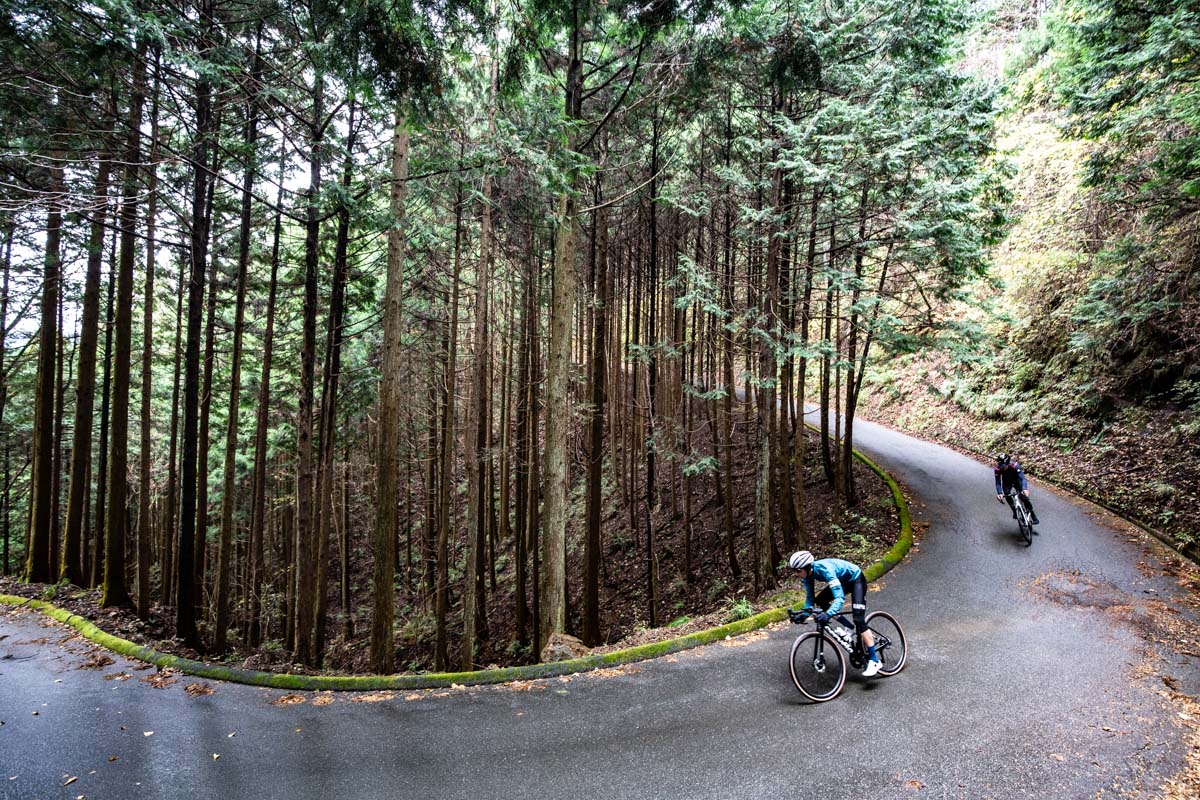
<point>1087,368</point>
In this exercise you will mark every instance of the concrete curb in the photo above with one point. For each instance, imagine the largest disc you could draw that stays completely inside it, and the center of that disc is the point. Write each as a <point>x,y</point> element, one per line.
<point>279,680</point>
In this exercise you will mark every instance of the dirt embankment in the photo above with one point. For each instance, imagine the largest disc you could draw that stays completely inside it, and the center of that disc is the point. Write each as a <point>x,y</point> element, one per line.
<point>1143,464</point>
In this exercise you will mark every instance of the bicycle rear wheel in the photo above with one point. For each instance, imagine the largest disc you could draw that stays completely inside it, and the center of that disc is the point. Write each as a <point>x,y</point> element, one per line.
<point>890,645</point>
<point>818,666</point>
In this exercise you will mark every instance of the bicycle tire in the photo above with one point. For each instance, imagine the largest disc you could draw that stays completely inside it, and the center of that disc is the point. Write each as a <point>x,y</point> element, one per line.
<point>814,676</point>
<point>890,644</point>
<point>1025,527</point>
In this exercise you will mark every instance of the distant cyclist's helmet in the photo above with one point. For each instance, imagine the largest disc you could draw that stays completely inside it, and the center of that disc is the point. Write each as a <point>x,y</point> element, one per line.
<point>800,559</point>
<point>1003,460</point>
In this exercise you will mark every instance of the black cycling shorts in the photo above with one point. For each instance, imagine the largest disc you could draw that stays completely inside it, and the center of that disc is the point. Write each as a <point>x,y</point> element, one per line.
<point>857,590</point>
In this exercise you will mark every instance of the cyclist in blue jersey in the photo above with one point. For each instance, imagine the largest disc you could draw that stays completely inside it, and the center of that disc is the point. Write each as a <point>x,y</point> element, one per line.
<point>840,576</point>
<point>1009,475</point>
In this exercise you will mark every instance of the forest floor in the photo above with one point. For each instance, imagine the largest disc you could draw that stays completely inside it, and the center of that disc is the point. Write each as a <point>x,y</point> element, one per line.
<point>1140,462</point>
<point>711,596</point>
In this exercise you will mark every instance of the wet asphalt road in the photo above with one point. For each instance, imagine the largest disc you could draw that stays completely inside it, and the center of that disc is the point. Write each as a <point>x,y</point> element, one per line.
<point>1006,694</point>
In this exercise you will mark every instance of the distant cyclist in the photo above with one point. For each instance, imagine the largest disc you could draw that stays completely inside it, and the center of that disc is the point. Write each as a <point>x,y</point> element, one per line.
<point>841,576</point>
<point>1009,475</point>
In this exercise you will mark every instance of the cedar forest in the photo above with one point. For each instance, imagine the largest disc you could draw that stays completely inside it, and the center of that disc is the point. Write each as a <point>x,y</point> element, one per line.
<point>369,321</point>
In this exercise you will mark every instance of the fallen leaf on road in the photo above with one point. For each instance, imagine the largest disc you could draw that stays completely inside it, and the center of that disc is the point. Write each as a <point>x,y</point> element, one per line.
<point>118,676</point>
<point>1057,757</point>
<point>289,700</point>
<point>69,781</point>
<point>216,756</point>
<point>377,697</point>
<point>97,661</point>
<point>914,784</point>
<point>299,729</point>
<point>112,758</point>
<point>160,680</point>
<point>36,714</point>
<point>147,733</point>
<point>413,696</point>
<point>323,700</point>
<point>198,689</point>
<point>231,735</point>
<point>611,672</point>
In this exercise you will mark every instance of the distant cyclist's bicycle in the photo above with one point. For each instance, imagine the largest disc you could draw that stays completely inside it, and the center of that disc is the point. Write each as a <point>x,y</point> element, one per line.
<point>818,662</point>
<point>1024,520</point>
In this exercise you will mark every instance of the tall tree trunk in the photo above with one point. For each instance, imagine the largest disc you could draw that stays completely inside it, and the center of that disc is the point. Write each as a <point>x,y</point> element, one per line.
<point>147,390</point>
<point>801,432</point>
<point>85,387</point>
<point>60,391</point>
<point>728,357</point>
<point>847,452</point>
<point>228,494</point>
<point>446,515</point>
<point>344,555</point>
<point>169,546</point>
<point>200,551</point>
<point>329,393</point>
<point>524,450</point>
<point>305,553</point>
<point>96,577</point>
<point>5,498</point>
<point>595,456</point>
<point>115,592</point>
<point>552,617</point>
<point>474,440</point>
<point>391,398</point>
<point>38,567</point>
<point>652,338</point>
<point>185,609</point>
<point>258,513</point>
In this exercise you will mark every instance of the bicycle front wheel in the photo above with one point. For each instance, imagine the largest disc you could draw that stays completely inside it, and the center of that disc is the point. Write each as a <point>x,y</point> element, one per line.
<point>890,645</point>
<point>1025,526</point>
<point>818,666</point>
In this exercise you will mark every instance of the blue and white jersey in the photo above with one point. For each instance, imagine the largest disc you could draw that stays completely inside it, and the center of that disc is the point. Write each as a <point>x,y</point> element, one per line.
<point>839,574</point>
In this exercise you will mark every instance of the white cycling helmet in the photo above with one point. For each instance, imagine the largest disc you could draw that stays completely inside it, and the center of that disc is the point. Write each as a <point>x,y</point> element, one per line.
<point>800,559</point>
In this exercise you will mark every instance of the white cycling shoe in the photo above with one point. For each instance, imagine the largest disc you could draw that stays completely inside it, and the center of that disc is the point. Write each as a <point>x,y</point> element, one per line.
<point>873,667</point>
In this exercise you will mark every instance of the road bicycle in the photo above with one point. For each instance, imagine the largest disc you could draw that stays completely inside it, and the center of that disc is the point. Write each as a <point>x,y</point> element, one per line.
<point>1024,520</point>
<point>818,660</point>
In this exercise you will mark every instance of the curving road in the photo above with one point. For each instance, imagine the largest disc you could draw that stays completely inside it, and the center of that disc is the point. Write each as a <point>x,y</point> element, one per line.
<point>1025,678</point>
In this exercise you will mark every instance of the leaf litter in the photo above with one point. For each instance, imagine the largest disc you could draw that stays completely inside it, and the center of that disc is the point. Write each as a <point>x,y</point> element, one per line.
<point>375,697</point>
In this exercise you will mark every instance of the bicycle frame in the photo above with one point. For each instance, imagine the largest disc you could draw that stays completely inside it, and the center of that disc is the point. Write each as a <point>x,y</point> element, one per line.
<point>855,649</point>
<point>1024,522</point>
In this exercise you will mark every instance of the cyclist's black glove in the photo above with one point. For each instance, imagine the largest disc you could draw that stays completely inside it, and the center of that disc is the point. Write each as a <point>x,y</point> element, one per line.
<point>821,617</point>
<point>797,616</point>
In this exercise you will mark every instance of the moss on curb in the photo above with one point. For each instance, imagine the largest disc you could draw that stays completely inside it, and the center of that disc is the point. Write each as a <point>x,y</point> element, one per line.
<point>892,557</point>
<point>277,680</point>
